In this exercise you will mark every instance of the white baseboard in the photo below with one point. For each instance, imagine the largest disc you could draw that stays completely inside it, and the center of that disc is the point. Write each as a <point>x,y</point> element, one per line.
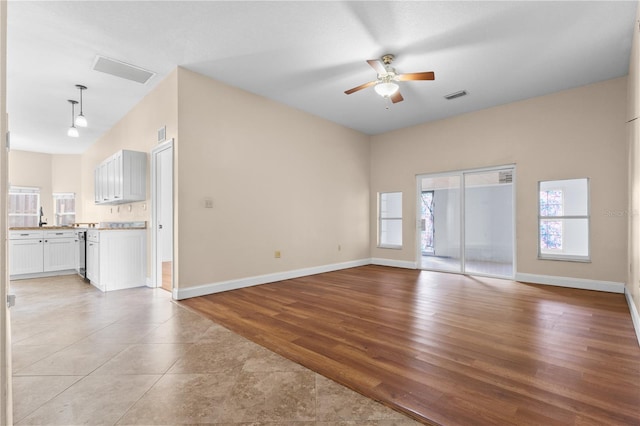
<point>43,275</point>
<point>201,290</point>
<point>635,317</point>
<point>581,283</point>
<point>395,263</point>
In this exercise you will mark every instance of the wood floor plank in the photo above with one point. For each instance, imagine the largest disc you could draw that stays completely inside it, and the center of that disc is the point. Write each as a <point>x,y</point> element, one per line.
<point>450,349</point>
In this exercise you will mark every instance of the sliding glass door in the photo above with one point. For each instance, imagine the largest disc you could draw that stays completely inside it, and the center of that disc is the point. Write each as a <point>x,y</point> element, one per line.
<point>467,222</point>
<point>440,247</point>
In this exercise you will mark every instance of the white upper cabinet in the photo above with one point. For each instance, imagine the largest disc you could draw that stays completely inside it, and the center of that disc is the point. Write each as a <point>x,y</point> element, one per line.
<point>121,178</point>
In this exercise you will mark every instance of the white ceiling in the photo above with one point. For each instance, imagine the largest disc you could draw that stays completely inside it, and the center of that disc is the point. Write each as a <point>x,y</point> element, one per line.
<point>304,54</point>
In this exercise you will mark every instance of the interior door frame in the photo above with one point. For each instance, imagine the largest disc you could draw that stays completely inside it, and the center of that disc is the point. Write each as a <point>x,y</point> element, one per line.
<point>155,253</point>
<point>6,401</point>
<point>462,174</point>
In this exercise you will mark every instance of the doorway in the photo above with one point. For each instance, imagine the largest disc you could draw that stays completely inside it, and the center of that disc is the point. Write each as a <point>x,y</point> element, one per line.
<point>467,222</point>
<point>162,214</point>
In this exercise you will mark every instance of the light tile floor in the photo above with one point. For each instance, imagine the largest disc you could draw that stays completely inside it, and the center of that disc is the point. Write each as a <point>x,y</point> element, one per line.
<point>133,357</point>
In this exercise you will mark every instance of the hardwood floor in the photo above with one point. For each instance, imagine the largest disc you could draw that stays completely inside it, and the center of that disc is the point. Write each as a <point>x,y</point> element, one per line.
<point>450,349</point>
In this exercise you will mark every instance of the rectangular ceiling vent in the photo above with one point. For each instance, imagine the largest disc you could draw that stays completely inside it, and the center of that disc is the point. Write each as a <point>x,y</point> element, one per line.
<point>506,176</point>
<point>122,70</point>
<point>455,95</point>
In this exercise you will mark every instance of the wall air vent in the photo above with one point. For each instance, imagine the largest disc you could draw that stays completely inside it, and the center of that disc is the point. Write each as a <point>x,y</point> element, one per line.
<point>122,70</point>
<point>506,176</point>
<point>455,95</point>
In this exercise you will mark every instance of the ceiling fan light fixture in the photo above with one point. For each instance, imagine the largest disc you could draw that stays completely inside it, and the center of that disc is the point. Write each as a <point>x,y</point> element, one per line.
<point>386,89</point>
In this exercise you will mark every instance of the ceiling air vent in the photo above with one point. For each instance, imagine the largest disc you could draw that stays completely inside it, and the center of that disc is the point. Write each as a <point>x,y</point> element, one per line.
<point>506,176</point>
<point>455,95</point>
<point>122,70</point>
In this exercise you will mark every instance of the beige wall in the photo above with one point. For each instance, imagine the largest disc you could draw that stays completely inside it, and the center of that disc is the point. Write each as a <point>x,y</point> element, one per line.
<point>49,172</point>
<point>136,131</point>
<point>570,134</point>
<point>280,179</point>
<point>34,169</point>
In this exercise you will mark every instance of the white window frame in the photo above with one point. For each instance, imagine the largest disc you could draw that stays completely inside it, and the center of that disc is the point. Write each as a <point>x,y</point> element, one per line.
<point>13,190</point>
<point>561,254</point>
<point>382,217</point>
<point>57,214</point>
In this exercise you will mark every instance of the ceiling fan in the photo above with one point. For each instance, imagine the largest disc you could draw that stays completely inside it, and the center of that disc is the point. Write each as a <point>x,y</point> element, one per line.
<point>385,84</point>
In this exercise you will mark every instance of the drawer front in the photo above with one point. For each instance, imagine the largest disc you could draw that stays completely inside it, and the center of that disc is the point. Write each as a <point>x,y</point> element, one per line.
<point>60,234</point>
<point>93,235</point>
<point>25,235</point>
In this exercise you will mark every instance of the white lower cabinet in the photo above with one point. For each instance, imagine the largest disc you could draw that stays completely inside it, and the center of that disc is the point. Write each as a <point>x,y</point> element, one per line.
<point>117,259</point>
<point>93,258</point>
<point>42,253</point>
<point>25,253</point>
<point>60,250</point>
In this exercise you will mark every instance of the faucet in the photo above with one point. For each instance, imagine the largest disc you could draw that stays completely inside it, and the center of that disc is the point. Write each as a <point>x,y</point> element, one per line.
<point>41,216</point>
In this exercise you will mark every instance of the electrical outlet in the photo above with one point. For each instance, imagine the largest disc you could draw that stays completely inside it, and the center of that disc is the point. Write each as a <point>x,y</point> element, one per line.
<point>277,254</point>
<point>208,203</point>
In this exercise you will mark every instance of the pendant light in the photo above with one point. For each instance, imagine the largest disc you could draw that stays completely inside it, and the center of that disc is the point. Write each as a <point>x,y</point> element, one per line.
<point>73,131</point>
<point>81,121</point>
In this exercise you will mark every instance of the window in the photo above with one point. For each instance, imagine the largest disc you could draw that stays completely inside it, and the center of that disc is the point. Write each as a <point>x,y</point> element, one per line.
<point>563,220</point>
<point>390,219</point>
<point>64,204</point>
<point>551,230</point>
<point>24,206</point>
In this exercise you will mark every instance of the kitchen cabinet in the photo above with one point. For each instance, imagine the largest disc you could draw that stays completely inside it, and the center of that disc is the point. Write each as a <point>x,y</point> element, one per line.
<point>25,252</point>
<point>59,250</point>
<point>93,258</point>
<point>117,259</point>
<point>121,178</point>
<point>38,253</point>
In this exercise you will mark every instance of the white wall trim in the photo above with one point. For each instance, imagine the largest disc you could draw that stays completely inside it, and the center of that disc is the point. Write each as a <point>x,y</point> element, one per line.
<point>42,274</point>
<point>394,263</point>
<point>581,283</point>
<point>150,283</point>
<point>635,317</point>
<point>211,288</point>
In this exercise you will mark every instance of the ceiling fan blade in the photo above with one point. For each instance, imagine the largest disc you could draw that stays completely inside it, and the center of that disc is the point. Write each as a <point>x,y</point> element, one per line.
<point>430,75</point>
<point>397,97</point>
<point>362,86</point>
<point>377,65</point>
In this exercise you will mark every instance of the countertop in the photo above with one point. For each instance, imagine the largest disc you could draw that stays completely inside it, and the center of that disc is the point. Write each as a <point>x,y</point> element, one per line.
<point>72,228</point>
<point>40,228</point>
